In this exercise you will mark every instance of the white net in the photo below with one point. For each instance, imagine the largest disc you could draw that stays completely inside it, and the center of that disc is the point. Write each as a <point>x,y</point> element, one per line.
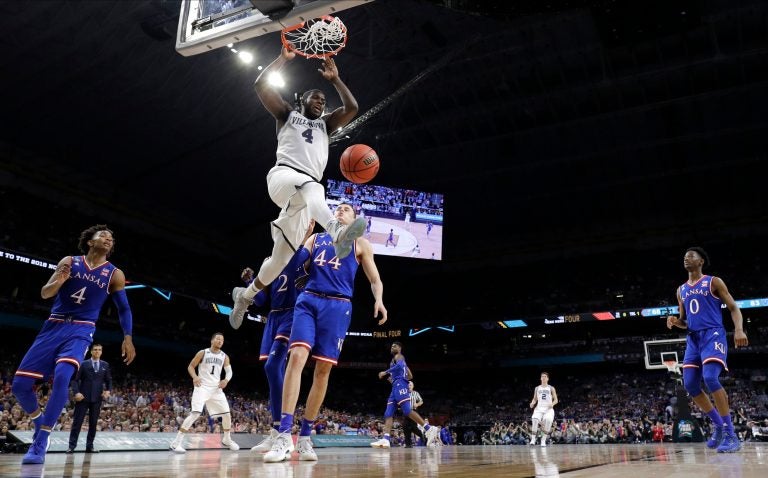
<point>316,38</point>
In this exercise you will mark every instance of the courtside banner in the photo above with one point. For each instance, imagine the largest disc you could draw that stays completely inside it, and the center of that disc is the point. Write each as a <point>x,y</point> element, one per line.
<point>148,441</point>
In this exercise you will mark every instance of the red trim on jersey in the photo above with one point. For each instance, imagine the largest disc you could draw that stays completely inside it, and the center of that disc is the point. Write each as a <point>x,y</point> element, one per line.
<point>325,359</point>
<point>282,337</point>
<point>712,279</point>
<point>690,365</point>
<point>26,373</point>
<point>81,322</point>
<point>95,267</point>
<point>694,284</point>
<point>281,310</point>
<point>263,357</point>
<point>300,344</point>
<point>69,360</point>
<point>715,359</point>
<point>404,400</point>
<point>325,296</point>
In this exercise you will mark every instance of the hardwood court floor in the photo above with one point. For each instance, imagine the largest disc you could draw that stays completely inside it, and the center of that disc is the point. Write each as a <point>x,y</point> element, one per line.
<point>593,461</point>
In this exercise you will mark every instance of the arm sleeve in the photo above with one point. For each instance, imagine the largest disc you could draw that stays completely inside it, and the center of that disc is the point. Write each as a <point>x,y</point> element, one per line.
<point>123,311</point>
<point>300,257</point>
<point>228,373</point>
<point>400,364</point>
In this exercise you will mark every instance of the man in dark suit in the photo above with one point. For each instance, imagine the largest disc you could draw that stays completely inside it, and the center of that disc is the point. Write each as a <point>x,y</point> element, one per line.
<point>92,383</point>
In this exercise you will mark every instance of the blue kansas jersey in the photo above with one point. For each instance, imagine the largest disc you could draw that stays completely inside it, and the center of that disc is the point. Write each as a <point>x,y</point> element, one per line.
<point>329,274</point>
<point>282,292</point>
<point>702,308</point>
<point>85,292</point>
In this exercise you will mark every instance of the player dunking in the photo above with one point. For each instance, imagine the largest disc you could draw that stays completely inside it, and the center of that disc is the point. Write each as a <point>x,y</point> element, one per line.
<point>706,348</point>
<point>209,392</point>
<point>400,396</point>
<point>80,285</point>
<point>294,182</point>
<point>320,321</point>
<point>544,399</point>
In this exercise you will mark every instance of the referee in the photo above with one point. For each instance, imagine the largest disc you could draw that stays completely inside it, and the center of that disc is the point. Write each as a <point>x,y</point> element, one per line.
<point>409,426</point>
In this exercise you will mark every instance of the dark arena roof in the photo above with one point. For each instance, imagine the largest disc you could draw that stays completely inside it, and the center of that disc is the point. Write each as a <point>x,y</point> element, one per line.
<point>581,146</point>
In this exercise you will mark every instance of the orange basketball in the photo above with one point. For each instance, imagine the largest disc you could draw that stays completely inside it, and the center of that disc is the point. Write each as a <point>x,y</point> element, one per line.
<point>359,163</point>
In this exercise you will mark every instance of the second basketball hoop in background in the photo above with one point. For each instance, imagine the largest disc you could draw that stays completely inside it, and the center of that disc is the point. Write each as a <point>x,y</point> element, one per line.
<point>359,163</point>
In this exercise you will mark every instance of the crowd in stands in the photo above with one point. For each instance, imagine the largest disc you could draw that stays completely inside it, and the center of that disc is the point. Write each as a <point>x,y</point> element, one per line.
<point>383,199</point>
<point>617,407</point>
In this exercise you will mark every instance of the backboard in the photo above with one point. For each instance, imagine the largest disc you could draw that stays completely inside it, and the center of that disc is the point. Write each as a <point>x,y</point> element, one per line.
<point>657,352</point>
<point>206,25</point>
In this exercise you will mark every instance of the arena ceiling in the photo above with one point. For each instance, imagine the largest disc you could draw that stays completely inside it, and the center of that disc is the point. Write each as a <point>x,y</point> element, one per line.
<point>551,129</point>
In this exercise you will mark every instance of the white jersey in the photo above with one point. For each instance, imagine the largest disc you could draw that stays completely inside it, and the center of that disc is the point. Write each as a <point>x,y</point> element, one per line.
<point>302,144</point>
<point>544,397</point>
<point>209,369</point>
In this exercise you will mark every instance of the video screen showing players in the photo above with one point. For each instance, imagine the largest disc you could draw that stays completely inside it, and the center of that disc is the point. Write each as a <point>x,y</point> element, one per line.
<point>401,222</point>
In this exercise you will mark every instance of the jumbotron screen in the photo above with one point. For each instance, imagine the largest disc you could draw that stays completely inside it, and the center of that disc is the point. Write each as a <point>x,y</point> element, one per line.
<point>401,222</point>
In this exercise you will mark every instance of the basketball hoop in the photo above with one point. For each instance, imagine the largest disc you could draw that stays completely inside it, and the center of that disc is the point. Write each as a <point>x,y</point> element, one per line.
<point>318,38</point>
<point>672,366</point>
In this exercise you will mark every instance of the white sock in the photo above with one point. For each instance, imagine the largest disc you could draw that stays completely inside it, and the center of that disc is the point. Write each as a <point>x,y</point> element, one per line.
<point>251,291</point>
<point>226,435</point>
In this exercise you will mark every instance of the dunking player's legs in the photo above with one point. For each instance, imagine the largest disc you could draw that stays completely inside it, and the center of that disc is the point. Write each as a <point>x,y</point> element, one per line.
<point>270,268</point>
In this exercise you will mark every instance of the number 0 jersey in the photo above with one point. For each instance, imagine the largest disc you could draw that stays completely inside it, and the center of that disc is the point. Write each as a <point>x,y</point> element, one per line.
<point>702,307</point>
<point>86,290</point>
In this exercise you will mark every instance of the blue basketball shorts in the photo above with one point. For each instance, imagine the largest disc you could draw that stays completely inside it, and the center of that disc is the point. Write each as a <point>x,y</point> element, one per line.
<point>320,324</point>
<point>58,341</point>
<point>278,327</point>
<point>708,345</point>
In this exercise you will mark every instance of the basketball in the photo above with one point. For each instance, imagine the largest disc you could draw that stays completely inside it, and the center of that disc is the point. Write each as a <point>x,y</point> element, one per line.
<point>359,163</point>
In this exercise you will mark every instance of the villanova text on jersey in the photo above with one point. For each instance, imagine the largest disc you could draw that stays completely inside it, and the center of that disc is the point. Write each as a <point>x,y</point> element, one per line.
<point>702,307</point>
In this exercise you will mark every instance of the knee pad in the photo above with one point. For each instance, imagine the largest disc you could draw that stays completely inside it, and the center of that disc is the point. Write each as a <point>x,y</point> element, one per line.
<point>692,380</point>
<point>712,376</point>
